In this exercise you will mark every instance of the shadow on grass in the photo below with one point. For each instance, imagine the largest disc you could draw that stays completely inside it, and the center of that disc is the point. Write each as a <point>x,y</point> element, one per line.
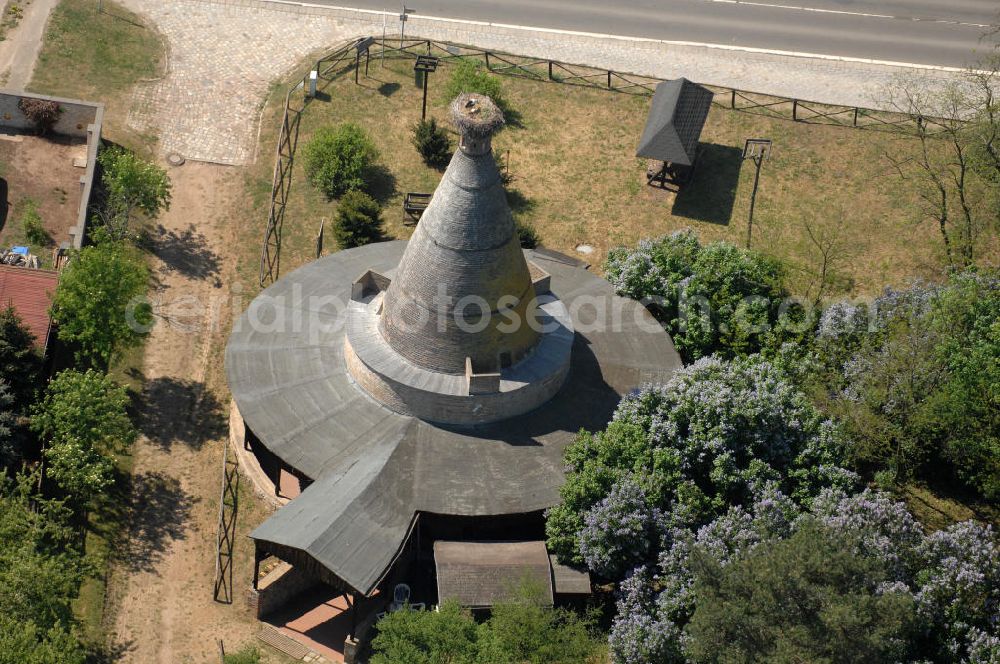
<point>711,194</point>
<point>519,203</point>
<point>108,653</point>
<point>4,203</point>
<point>187,252</point>
<point>388,89</point>
<point>175,410</point>
<point>381,183</point>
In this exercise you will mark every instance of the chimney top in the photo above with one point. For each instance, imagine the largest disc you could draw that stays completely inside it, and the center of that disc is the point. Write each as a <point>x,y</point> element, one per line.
<point>477,118</point>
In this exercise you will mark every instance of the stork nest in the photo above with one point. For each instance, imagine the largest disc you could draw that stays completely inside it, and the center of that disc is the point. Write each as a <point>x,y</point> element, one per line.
<point>476,115</point>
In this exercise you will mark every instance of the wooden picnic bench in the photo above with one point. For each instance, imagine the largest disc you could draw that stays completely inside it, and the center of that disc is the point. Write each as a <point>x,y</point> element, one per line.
<point>414,205</point>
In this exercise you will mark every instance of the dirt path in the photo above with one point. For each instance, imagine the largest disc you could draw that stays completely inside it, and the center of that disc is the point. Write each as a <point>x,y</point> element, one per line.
<point>19,50</point>
<point>160,594</point>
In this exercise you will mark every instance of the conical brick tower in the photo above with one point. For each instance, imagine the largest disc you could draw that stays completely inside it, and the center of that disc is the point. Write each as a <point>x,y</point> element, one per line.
<point>464,332</point>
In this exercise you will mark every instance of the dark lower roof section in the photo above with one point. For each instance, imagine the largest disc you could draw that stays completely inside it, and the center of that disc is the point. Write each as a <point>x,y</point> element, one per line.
<point>569,580</point>
<point>677,115</point>
<point>481,574</point>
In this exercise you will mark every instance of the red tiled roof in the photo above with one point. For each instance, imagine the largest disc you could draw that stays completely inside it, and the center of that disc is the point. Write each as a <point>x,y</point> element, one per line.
<point>30,291</point>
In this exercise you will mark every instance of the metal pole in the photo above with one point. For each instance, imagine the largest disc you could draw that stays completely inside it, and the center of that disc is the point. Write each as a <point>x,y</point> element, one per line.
<point>423,109</point>
<point>357,66</point>
<point>753,197</point>
<point>352,601</point>
<point>385,17</point>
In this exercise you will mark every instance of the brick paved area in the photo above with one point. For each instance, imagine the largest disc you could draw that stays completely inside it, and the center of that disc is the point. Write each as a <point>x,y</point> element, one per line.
<point>222,60</point>
<point>225,53</point>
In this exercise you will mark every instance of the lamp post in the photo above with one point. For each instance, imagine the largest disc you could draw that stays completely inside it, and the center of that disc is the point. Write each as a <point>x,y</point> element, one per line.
<point>757,150</point>
<point>424,65</point>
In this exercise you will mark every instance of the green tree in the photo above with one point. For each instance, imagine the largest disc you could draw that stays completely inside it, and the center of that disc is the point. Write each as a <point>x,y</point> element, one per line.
<point>470,75</point>
<point>966,409</point>
<point>525,630</point>
<point>918,388</point>
<point>41,568</point>
<point>23,642</point>
<point>338,159</point>
<point>84,421</point>
<point>432,143</point>
<point>131,185</point>
<point>10,447</point>
<point>358,221</point>
<point>697,445</point>
<point>810,598</point>
<point>716,298</point>
<point>446,636</point>
<point>20,362</point>
<point>97,304</point>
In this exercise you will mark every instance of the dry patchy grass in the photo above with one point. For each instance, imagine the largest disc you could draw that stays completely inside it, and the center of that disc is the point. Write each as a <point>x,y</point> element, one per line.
<point>99,56</point>
<point>577,180</point>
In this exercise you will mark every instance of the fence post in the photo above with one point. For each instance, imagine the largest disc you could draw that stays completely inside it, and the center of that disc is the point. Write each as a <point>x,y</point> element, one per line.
<point>732,98</point>
<point>550,70</point>
<point>795,109</point>
<point>609,79</point>
<point>487,54</point>
<point>855,116</point>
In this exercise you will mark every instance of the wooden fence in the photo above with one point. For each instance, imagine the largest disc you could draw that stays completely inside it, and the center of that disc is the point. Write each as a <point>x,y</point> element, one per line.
<point>347,58</point>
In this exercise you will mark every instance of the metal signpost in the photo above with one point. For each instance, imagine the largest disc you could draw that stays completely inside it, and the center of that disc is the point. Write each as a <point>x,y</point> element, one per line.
<point>402,24</point>
<point>362,47</point>
<point>757,149</point>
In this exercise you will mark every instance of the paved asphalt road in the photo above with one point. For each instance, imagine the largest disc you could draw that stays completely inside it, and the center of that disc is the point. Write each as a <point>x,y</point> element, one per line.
<point>930,32</point>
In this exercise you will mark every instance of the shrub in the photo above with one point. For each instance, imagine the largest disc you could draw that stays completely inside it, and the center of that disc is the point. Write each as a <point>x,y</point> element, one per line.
<point>358,221</point>
<point>337,159</point>
<point>521,629</point>
<point>248,654</point>
<point>432,143</point>
<point>526,234</point>
<point>40,112</point>
<point>31,224</point>
<point>472,76</point>
<point>714,298</point>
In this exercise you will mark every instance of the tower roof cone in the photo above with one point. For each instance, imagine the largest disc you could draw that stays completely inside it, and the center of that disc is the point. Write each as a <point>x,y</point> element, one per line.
<point>463,289</point>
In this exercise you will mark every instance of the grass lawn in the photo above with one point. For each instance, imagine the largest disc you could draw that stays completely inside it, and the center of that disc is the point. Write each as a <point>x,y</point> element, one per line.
<point>571,152</point>
<point>99,56</point>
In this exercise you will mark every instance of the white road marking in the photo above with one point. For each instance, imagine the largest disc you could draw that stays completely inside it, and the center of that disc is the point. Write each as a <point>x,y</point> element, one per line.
<point>645,40</point>
<point>818,10</point>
